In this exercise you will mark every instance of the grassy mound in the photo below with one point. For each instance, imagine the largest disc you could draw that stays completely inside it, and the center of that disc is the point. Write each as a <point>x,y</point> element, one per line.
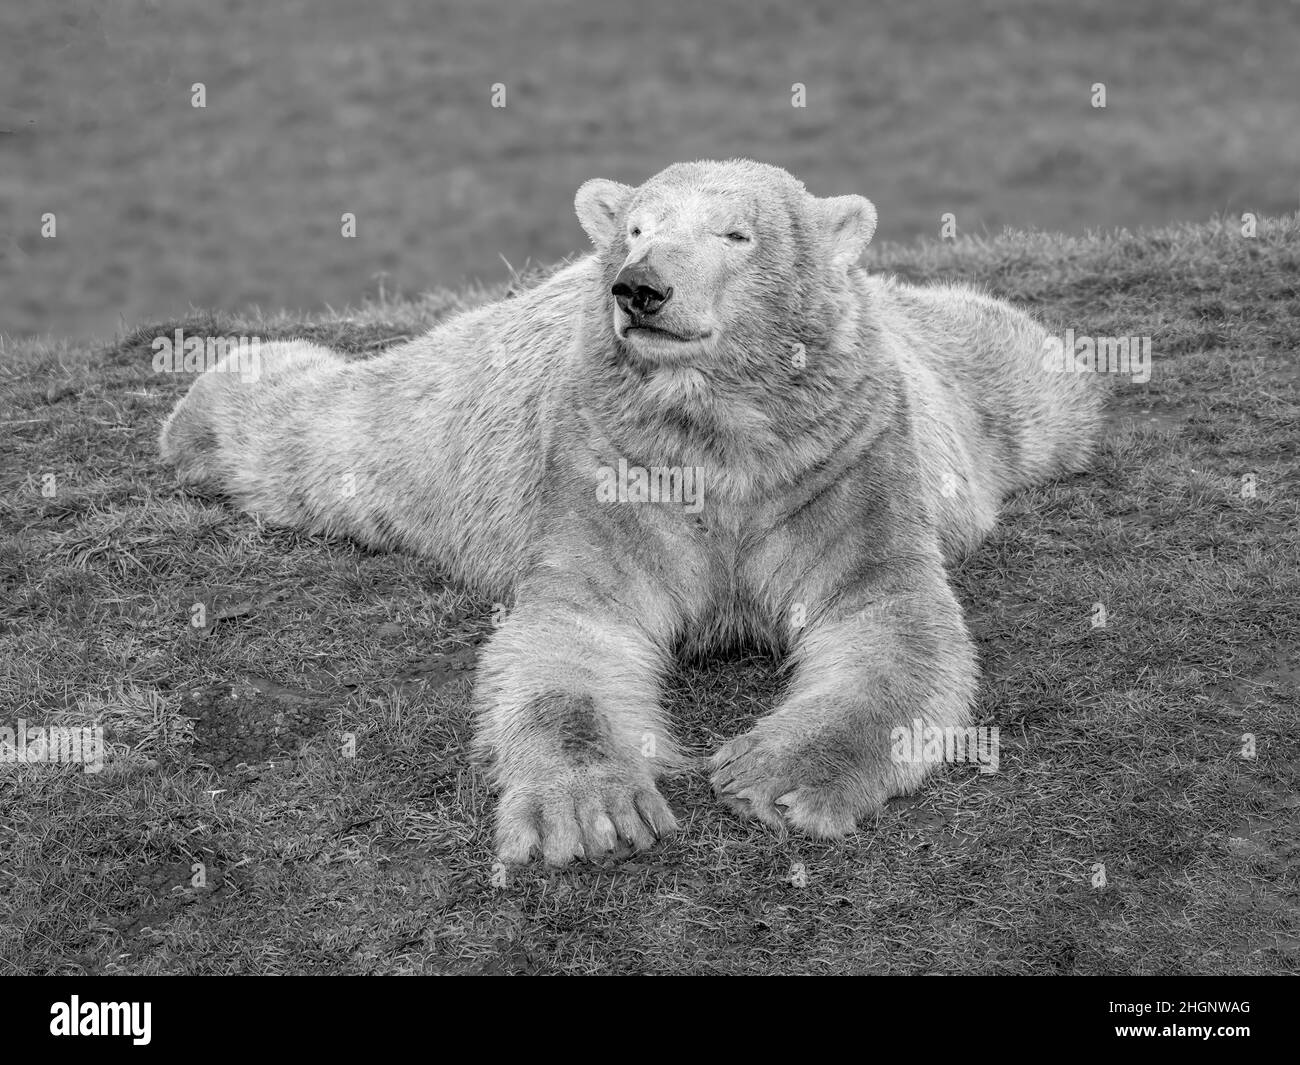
<point>228,831</point>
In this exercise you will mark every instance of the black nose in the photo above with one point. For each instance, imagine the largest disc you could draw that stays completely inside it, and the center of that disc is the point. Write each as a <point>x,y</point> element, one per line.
<point>640,291</point>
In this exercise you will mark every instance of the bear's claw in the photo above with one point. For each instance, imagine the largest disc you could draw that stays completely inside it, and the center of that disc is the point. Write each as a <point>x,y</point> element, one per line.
<point>755,778</point>
<point>584,816</point>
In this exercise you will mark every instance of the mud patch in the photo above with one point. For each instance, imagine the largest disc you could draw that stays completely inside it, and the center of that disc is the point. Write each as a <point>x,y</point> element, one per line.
<point>254,720</point>
<point>438,670</point>
<point>583,733</point>
<point>223,603</point>
<point>455,659</point>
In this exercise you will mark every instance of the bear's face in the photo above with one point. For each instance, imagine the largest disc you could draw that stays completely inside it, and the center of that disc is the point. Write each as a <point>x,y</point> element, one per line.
<point>708,259</point>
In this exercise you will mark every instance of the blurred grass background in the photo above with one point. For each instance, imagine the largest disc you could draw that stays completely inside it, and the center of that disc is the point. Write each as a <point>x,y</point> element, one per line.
<point>383,109</point>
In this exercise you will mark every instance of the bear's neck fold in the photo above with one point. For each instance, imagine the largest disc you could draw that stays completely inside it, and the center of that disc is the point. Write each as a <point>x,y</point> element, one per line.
<point>758,418</point>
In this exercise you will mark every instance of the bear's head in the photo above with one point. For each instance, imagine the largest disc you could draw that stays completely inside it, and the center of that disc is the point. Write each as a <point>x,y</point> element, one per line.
<point>713,261</point>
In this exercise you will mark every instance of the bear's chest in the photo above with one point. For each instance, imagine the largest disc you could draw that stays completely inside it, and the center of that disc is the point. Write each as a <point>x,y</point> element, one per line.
<point>727,538</point>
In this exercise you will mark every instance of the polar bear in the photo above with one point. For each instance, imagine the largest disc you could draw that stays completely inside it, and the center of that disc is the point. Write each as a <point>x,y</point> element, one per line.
<point>715,427</point>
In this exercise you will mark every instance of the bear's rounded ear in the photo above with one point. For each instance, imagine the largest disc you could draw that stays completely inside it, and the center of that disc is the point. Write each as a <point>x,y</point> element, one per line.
<point>598,203</point>
<point>850,223</point>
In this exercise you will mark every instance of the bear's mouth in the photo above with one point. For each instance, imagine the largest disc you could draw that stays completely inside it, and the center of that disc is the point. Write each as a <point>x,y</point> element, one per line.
<point>660,333</point>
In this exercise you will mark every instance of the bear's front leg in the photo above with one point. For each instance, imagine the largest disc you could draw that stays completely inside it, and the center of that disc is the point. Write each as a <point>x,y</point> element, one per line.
<point>873,659</point>
<point>568,700</point>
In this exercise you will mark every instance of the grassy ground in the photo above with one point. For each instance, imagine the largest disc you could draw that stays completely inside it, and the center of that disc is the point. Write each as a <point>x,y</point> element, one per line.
<point>1121,746</point>
<point>383,109</point>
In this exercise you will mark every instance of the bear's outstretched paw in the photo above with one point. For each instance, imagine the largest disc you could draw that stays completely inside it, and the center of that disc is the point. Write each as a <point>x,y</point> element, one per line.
<point>809,785</point>
<point>585,813</point>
